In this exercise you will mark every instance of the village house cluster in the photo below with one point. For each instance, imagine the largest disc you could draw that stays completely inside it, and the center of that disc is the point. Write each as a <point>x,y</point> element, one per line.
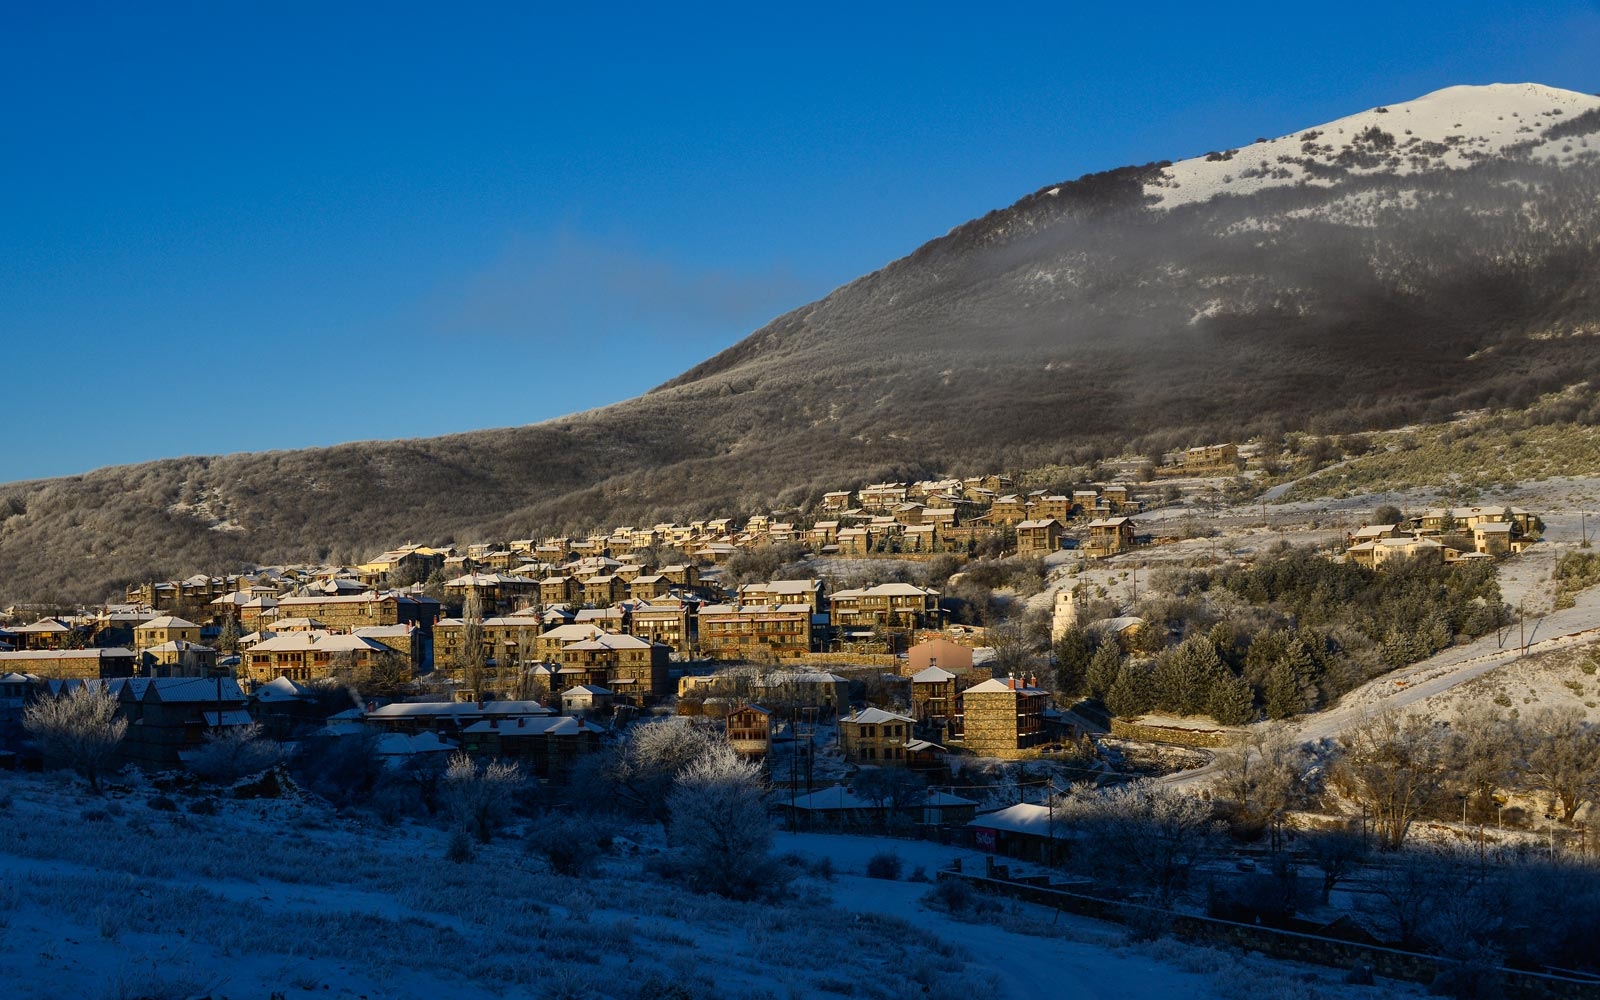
<point>1446,534</point>
<point>530,648</point>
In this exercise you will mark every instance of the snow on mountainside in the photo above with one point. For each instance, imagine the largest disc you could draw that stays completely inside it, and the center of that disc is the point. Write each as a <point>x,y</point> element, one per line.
<point>1447,129</point>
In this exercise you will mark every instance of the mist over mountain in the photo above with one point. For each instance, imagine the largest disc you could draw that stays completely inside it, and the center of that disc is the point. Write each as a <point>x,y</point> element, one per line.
<point>1398,265</point>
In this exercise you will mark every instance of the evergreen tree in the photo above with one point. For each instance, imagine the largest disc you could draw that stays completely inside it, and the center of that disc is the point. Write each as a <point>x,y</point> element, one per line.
<point>1290,686</point>
<point>1231,701</point>
<point>1134,690</point>
<point>1104,667</point>
<point>1073,656</point>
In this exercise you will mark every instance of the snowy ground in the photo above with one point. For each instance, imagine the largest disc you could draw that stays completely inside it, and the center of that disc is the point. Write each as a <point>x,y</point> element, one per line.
<point>103,896</point>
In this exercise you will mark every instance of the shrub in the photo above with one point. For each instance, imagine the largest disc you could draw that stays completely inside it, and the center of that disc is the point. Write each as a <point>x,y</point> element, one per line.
<point>161,803</point>
<point>459,849</point>
<point>480,800</point>
<point>950,895</point>
<point>342,769</point>
<point>236,752</point>
<point>572,845</point>
<point>884,865</point>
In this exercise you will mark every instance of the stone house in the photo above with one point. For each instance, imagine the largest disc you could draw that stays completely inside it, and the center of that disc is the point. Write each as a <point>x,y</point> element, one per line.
<point>70,664</point>
<point>784,592</point>
<point>167,628</point>
<point>874,736</point>
<point>669,621</point>
<point>888,605</point>
<point>750,731</point>
<point>1109,536</point>
<point>1001,718</point>
<point>1039,537</point>
<point>743,632</point>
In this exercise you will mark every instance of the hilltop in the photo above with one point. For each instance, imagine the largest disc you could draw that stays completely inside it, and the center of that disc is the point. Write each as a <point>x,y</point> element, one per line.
<point>1399,265</point>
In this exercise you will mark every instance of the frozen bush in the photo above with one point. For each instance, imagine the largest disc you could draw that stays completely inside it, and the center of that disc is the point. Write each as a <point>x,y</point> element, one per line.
<point>234,753</point>
<point>884,865</point>
<point>480,799</point>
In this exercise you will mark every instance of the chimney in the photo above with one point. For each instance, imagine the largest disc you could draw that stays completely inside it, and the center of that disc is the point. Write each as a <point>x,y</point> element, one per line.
<point>1011,681</point>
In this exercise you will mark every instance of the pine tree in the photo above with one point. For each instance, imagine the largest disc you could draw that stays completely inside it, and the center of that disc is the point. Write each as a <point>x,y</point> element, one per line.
<point>1104,667</point>
<point>1134,690</point>
<point>1231,701</point>
<point>1073,656</point>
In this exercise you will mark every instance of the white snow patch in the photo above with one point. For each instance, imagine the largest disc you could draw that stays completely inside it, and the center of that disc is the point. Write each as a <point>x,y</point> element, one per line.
<point>1447,129</point>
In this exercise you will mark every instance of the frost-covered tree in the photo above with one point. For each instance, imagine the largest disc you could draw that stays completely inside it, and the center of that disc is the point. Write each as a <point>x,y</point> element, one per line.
<point>719,826</point>
<point>79,729</point>
<point>1140,831</point>
<point>1395,766</point>
<point>1562,754</point>
<point>236,752</point>
<point>642,774</point>
<point>480,799</point>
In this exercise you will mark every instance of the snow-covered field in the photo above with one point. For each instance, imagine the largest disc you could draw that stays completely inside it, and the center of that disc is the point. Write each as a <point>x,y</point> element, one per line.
<point>103,896</point>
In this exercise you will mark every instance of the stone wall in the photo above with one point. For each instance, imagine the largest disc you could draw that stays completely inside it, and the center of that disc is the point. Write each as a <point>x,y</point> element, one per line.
<point>1123,729</point>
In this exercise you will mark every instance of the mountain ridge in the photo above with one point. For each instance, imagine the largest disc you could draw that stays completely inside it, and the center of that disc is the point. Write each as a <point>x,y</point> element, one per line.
<point>1086,317</point>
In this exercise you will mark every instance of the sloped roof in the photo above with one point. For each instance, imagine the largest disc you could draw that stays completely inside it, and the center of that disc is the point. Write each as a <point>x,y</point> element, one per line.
<point>1024,817</point>
<point>873,716</point>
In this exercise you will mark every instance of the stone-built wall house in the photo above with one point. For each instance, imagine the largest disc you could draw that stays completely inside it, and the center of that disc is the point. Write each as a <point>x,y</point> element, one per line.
<point>1008,509</point>
<point>352,611</point>
<point>888,605</point>
<point>837,501</point>
<point>1039,537</point>
<point>874,736</point>
<point>559,590</point>
<point>632,667</point>
<point>171,716</point>
<point>49,633</point>
<point>70,664</point>
<point>755,631</point>
<point>667,620</point>
<point>1001,718</point>
<point>167,628</point>
<point>776,592</point>
<point>1109,536</point>
<point>309,656</point>
<point>750,731</point>
<point>1052,505</point>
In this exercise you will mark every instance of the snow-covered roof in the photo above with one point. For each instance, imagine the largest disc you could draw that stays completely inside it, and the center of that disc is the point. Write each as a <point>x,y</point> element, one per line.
<point>996,685</point>
<point>1024,817</point>
<point>840,798</point>
<point>875,716</point>
<point>932,675</point>
<point>165,621</point>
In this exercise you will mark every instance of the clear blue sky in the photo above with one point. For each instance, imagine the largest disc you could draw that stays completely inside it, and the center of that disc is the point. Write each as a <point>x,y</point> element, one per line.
<point>237,226</point>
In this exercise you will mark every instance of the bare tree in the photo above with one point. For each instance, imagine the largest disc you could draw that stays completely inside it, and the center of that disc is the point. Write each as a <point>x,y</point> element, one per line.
<point>1483,754</point>
<point>236,752</point>
<point>1395,765</point>
<point>1144,830</point>
<point>79,729</point>
<point>1264,776</point>
<point>1562,753</point>
<point>470,665</point>
<point>1338,854</point>
<point>480,799</point>
<point>719,823</point>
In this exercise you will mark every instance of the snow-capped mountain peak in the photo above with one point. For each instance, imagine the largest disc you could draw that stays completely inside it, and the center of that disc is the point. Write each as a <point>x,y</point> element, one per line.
<point>1447,129</point>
